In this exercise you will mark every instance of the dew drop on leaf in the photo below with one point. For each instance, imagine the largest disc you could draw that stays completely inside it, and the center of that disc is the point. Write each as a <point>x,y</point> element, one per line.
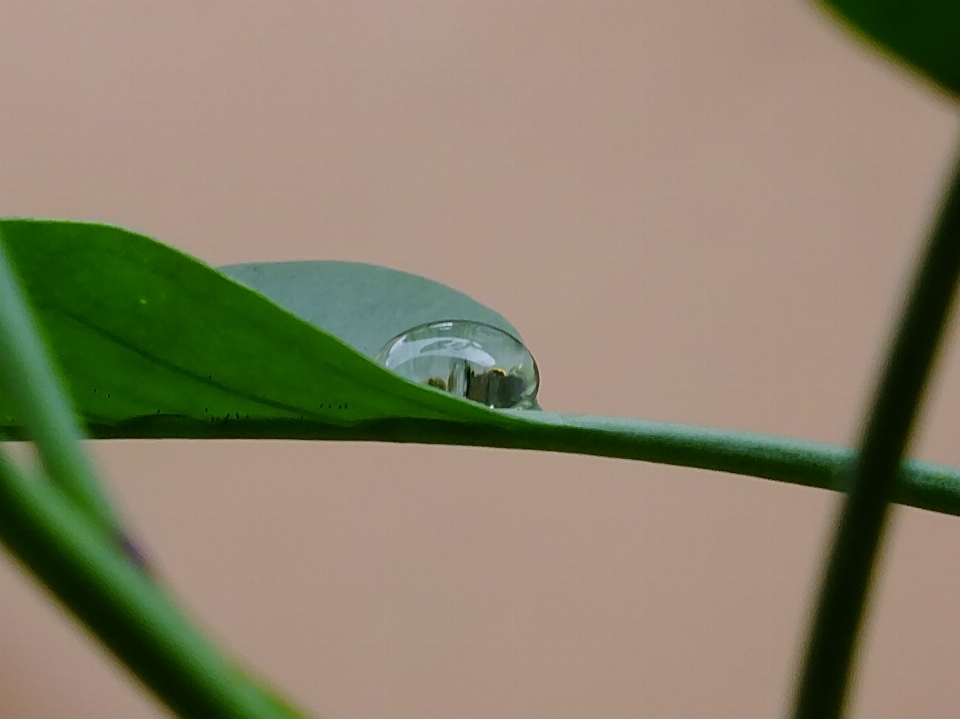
<point>468,359</point>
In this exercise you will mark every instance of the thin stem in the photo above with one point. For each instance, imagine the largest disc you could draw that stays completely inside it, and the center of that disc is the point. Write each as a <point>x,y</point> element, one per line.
<point>28,377</point>
<point>848,575</point>
<point>126,610</point>
<point>813,464</point>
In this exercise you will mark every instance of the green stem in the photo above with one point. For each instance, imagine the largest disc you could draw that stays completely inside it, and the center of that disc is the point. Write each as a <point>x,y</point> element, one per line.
<point>29,379</point>
<point>925,485</point>
<point>848,575</point>
<point>126,610</point>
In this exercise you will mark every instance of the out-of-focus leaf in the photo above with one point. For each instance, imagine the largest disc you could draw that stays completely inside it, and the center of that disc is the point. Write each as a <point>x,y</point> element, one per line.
<point>924,34</point>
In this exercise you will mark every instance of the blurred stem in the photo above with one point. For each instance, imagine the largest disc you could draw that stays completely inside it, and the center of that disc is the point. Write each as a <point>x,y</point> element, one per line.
<point>29,379</point>
<point>127,611</point>
<point>847,578</point>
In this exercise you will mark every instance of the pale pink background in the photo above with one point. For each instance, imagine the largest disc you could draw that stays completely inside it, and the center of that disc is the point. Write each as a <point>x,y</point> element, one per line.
<point>693,211</point>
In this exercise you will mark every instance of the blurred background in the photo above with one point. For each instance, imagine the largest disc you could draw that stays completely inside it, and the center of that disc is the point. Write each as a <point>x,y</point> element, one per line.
<point>694,211</point>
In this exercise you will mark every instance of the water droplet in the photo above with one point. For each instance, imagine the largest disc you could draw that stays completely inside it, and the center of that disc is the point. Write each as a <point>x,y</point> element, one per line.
<point>468,359</point>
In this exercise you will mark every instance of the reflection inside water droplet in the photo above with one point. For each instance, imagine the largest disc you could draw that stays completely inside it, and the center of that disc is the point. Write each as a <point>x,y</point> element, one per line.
<point>468,359</point>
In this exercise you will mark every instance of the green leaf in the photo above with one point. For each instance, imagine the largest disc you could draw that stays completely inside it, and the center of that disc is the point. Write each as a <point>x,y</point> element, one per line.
<point>153,344</point>
<point>28,378</point>
<point>66,534</point>
<point>364,305</point>
<point>144,331</point>
<point>925,34</point>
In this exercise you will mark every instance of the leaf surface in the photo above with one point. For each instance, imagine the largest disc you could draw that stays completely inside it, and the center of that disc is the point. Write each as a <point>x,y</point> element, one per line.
<point>364,305</point>
<point>144,331</point>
